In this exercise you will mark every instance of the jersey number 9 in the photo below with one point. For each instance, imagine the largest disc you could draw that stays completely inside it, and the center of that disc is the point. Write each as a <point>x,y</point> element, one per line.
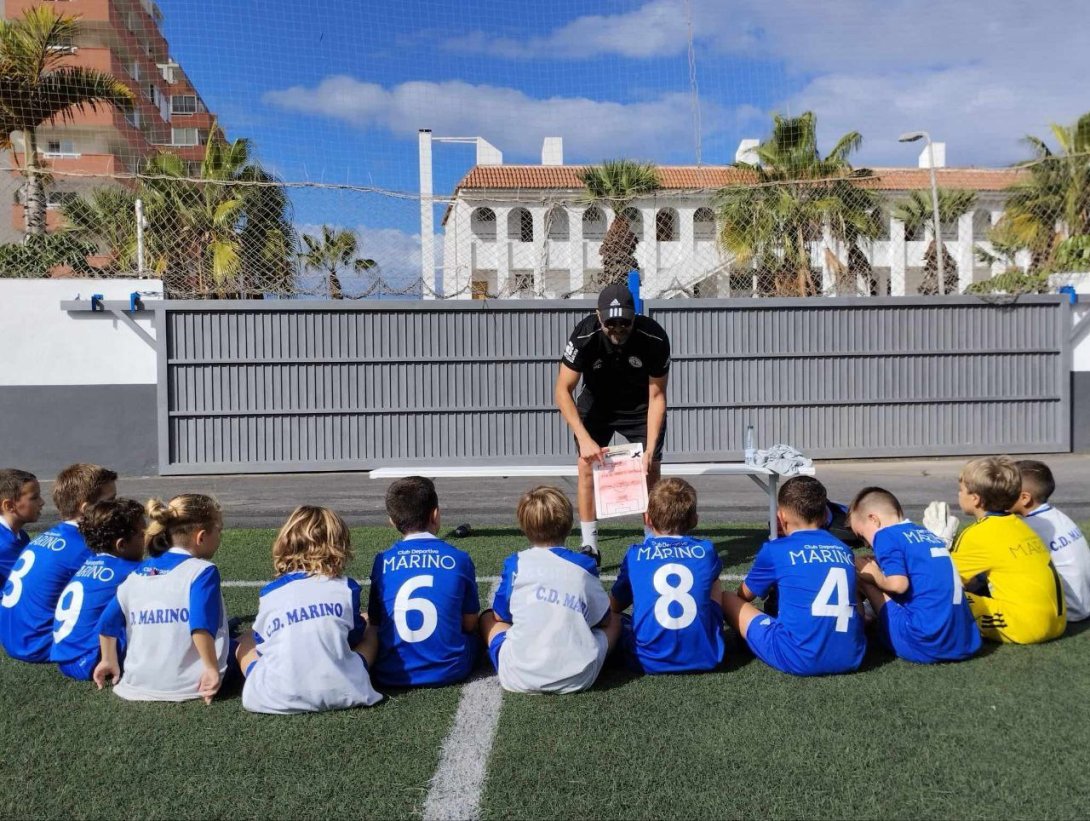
<point>67,612</point>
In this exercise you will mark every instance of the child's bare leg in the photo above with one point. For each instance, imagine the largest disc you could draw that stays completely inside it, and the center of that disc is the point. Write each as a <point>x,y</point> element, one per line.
<point>247,650</point>
<point>368,646</point>
<point>491,626</point>
<point>739,612</point>
<point>873,595</point>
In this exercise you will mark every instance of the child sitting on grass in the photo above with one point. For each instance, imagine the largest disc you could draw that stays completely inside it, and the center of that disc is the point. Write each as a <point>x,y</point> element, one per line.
<point>114,532</point>
<point>817,629</point>
<point>20,505</point>
<point>423,600</point>
<point>170,610</point>
<point>1063,538</point>
<point>48,563</point>
<point>309,649</point>
<point>671,581</point>
<point>911,583</point>
<point>549,628</point>
<point>1019,597</point>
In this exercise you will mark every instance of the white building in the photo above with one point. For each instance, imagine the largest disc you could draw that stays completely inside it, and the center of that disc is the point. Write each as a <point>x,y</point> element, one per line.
<point>521,230</point>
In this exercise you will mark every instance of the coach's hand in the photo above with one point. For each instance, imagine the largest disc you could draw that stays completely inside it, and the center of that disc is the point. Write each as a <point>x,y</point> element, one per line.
<point>591,451</point>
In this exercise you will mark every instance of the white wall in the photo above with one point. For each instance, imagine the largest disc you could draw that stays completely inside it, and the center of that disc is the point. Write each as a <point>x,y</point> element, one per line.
<point>43,345</point>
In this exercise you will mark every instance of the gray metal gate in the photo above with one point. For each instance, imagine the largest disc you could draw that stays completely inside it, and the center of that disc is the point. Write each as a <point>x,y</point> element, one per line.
<point>294,386</point>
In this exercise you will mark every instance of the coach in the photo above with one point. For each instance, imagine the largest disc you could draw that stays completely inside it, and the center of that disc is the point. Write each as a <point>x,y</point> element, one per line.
<point>624,360</point>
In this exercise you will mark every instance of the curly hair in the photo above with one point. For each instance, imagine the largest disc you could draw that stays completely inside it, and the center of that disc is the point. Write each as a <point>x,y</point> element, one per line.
<point>182,515</point>
<point>105,522</point>
<point>313,540</point>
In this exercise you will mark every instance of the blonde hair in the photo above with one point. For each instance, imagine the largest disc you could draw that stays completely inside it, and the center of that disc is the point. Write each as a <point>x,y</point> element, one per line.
<point>80,484</point>
<point>995,479</point>
<point>184,514</point>
<point>671,507</point>
<point>545,516</point>
<point>313,540</point>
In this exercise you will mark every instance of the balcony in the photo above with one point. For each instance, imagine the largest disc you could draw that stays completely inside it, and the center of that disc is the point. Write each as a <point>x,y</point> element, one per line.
<point>105,165</point>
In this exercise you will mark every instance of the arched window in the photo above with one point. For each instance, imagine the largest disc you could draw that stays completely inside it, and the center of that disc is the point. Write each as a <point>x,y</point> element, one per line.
<point>520,225</point>
<point>666,225</point>
<point>482,223</point>
<point>556,224</point>
<point>594,223</point>
<point>704,225</point>
<point>635,221</point>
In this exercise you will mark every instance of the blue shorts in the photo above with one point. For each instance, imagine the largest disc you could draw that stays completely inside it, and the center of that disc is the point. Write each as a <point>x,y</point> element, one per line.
<point>772,644</point>
<point>82,668</point>
<point>494,649</point>
<point>894,631</point>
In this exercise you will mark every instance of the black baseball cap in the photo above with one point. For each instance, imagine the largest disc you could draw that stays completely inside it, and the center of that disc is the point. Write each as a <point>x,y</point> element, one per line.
<point>615,302</point>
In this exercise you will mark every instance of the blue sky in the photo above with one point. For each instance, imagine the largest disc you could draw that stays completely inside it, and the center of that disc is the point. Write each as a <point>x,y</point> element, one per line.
<point>335,91</point>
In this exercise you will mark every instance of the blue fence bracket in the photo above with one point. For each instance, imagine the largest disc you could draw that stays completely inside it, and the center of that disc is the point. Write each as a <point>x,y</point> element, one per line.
<point>634,287</point>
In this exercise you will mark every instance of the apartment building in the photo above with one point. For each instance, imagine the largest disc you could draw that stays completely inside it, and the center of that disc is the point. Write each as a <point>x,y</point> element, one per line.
<point>523,230</point>
<point>123,38</point>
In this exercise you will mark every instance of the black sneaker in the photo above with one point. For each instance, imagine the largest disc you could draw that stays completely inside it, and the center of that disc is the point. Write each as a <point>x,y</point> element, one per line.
<point>234,627</point>
<point>593,552</point>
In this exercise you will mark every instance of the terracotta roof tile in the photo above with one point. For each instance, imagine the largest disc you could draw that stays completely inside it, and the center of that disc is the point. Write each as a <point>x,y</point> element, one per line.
<point>716,176</point>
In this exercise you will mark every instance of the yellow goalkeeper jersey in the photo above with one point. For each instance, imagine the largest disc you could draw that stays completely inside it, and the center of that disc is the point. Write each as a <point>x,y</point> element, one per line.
<point>1025,601</point>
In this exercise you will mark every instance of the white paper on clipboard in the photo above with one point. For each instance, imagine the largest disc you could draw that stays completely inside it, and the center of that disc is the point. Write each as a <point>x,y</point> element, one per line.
<point>620,484</point>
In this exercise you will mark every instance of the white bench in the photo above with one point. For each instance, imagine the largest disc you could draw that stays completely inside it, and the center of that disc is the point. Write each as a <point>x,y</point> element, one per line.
<point>767,480</point>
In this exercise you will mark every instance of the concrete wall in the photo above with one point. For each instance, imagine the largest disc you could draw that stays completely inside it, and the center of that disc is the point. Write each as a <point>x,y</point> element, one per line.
<point>76,387</point>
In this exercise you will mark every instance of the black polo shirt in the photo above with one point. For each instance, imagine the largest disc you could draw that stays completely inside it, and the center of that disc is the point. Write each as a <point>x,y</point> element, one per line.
<point>615,378</point>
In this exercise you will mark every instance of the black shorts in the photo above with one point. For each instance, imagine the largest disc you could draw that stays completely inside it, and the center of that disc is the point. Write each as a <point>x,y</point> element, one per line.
<point>632,426</point>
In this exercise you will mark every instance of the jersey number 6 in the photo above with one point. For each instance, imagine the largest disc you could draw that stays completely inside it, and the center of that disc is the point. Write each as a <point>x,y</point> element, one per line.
<point>404,604</point>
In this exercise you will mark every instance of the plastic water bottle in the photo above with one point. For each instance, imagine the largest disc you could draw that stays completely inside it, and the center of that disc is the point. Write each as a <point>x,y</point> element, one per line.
<point>750,447</point>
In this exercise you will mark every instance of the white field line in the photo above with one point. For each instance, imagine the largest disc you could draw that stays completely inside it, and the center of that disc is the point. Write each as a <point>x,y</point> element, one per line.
<point>493,580</point>
<point>458,782</point>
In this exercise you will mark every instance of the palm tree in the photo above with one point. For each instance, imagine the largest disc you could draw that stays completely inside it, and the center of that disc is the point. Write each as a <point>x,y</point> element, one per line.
<point>617,183</point>
<point>1052,204</point>
<point>334,251</point>
<point>917,212</point>
<point>105,218</point>
<point>795,195</point>
<point>36,86</point>
<point>224,228</point>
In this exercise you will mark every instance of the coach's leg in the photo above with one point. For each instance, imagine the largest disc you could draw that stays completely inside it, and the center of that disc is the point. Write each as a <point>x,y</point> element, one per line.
<point>585,493</point>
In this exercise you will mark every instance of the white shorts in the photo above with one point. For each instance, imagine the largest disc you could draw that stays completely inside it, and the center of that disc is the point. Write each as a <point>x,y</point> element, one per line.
<point>548,674</point>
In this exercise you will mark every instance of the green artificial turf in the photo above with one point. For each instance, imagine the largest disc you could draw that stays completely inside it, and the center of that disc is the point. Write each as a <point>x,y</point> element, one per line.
<point>1001,736</point>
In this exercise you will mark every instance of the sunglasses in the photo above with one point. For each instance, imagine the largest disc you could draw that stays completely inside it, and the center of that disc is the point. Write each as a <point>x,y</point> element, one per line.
<point>618,324</point>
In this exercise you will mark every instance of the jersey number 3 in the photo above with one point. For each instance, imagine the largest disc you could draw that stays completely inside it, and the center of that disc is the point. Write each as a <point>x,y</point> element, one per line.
<point>404,604</point>
<point>836,584</point>
<point>15,580</point>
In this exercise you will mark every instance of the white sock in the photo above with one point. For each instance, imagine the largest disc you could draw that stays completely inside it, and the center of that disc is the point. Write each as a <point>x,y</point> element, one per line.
<point>590,533</point>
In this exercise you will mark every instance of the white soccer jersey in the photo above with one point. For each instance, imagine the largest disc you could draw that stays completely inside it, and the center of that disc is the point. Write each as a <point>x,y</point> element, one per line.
<point>552,600</point>
<point>161,662</point>
<point>304,627</point>
<point>1070,556</point>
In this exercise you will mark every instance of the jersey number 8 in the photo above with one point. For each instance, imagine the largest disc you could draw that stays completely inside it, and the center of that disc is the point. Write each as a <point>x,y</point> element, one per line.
<point>405,604</point>
<point>674,594</point>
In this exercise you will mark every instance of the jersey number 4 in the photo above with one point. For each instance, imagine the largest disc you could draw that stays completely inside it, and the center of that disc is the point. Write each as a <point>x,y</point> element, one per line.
<point>404,604</point>
<point>836,584</point>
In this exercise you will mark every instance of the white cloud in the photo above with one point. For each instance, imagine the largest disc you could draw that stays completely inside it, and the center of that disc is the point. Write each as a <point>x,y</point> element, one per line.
<point>977,75</point>
<point>510,119</point>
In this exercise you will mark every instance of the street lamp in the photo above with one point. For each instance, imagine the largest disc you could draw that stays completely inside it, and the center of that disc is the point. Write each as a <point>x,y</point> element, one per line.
<point>911,137</point>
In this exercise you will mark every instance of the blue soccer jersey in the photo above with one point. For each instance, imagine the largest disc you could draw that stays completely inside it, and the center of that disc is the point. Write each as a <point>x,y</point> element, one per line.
<point>33,587</point>
<point>420,589</point>
<point>75,622</point>
<point>932,621</point>
<point>817,630</point>
<point>11,545</point>
<point>676,626</point>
